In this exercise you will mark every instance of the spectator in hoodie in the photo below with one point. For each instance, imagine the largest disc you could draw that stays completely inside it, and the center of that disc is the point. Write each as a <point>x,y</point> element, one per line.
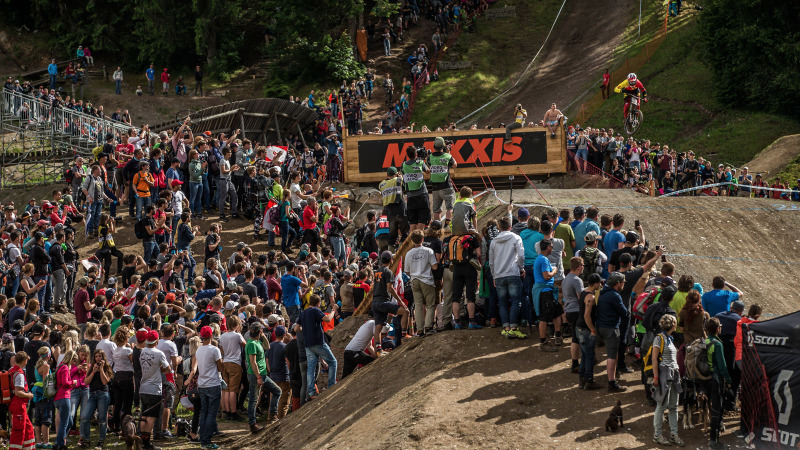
<point>507,263</point>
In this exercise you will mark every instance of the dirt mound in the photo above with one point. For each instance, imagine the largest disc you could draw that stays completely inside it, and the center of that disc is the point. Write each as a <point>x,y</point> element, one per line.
<point>778,155</point>
<point>466,389</point>
<point>745,240</point>
<point>341,336</point>
<point>575,48</point>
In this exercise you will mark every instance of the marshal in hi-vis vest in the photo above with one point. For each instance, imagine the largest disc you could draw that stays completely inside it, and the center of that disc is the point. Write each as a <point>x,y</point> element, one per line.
<point>414,175</point>
<point>440,167</point>
<point>391,190</point>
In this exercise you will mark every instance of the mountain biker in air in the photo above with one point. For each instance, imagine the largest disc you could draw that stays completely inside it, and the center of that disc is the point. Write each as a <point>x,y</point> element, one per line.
<point>631,86</point>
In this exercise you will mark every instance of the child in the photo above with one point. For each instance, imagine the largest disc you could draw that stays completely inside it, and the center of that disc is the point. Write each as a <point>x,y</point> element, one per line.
<point>139,91</point>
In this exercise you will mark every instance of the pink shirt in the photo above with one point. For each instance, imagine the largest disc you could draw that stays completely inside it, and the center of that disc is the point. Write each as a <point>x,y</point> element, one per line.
<point>78,375</point>
<point>64,382</point>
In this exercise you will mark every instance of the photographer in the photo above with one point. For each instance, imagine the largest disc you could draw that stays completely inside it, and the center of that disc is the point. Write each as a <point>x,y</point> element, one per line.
<point>183,243</point>
<point>520,115</point>
<point>414,170</point>
<point>440,161</point>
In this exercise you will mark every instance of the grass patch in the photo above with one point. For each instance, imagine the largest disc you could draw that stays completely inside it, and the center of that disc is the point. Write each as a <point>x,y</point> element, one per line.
<point>790,173</point>
<point>683,113</point>
<point>496,50</point>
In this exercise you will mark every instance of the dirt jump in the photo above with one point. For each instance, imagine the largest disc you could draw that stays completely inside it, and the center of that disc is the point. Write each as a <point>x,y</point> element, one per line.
<point>776,157</point>
<point>575,55</point>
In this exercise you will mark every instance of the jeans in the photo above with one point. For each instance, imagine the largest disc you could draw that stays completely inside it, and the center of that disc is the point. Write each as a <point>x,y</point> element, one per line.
<point>671,403</point>
<point>150,86</point>
<point>209,399</point>
<point>313,354</point>
<point>52,81</point>
<point>527,312</point>
<point>287,235</point>
<point>492,309</point>
<point>510,127</point>
<point>387,48</point>
<point>123,388</point>
<point>196,197</point>
<point>189,264</point>
<point>252,399</point>
<point>141,205</point>
<point>114,201</point>
<point>293,312</point>
<point>45,294</point>
<point>587,342</point>
<point>226,189</point>
<point>65,420</point>
<point>339,252</point>
<point>150,250</point>
<point>98,400</point>
<point>118,87</point>
<point>95,208</point>
<point>78,397</point>
<point>198,87</point>
<point>509,293</point>
<point>59,286</point>
<point>206,195</point>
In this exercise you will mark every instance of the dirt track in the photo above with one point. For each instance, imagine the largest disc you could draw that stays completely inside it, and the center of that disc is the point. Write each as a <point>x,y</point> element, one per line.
<point>578,50</point>
<point>774,158</point>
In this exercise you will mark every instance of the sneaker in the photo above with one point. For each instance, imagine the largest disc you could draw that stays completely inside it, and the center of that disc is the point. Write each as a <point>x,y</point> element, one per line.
<point>548,347</point>
<point>558,340</point>
<point>166,434</point>
<point>504,333</point>
<point>255,428</point>
<point>676,440</point>
<point>99,445</point>
<point>613,386</point>
<point>457,326</point>
<point>575,369</point>
<point>592,385</point>
<point>717,445</point>
<point>493,323</point>
<point>212,445</point>
<point>429,331</point>
<point>235,417</point>
<point>380,353</point>
<point>661,440</point>
<point>741,434</point>
<point>625,369</point>
<point>83,444</point>
<point>475,264</point>
<point>235,216</point>
<point>474,326</point>
<point>446,327</point>
<point>581,382</point>
<point>514,333</point>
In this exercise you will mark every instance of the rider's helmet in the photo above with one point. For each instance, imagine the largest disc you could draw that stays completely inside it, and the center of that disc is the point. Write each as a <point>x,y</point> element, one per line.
<point>632,78</point>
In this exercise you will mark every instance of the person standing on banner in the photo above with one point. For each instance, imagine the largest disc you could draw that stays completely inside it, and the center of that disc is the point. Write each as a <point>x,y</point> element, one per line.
<point>394,206</point>
<point>440,162</point>
<point>418,206</point>
<point>520,116</point>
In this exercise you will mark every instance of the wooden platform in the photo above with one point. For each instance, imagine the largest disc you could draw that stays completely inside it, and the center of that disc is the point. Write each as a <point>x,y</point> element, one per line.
<point>478,153</point>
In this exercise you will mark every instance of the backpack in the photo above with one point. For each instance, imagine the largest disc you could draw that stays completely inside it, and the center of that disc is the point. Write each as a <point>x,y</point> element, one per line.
<point>359,237</point>
<point>643,301</point>
<point>696,361</point>
<point>648,358</point>
<point>458,249</point>
<point>6,387</point>
<point>320,290</point>
<point>68,176</point>
<point>50,385</point>
<point>590,255</point>
<point>274,215</point>
<point>139,230</point>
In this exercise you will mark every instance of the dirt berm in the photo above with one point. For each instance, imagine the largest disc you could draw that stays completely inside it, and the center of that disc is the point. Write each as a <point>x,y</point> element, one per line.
<point>474,389</point>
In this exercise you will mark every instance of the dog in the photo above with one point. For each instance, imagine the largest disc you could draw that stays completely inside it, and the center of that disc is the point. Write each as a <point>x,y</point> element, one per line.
<point>615,421</point>
<point>132,441</point>
<point>695,399</point>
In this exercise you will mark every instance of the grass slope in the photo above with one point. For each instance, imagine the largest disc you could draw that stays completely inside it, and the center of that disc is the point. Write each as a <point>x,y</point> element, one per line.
<point>499,50</point>
<point>683,113</point>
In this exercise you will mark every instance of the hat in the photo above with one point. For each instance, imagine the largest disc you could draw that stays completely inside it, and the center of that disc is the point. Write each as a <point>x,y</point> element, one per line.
<point>110,292</point>
<point>170,297</point>
<point>304,248</point>
<point>353,268</point>
<point>280,331</point>
<point>46,205</point>
<point>176,183</point>
<point>590,236</point>
<point>44,317</point>
<point>49,231</point>
<point>112,281</point>
<point>438,142</point>
<point>615,279</point>
<point>206,332</point>
<point>42,223</point>
<point>141,295</point>
<point>522,213</point>
<point>273,319</point>
<point>189,307</point>
<point>738,305</point>
<point>386,257</point>
<point>17,325</point>
<point>58,227</point>
<point>240,246</point>
<point>364,255</point>
<point>83,281</point>
<point>7,338</point>
<point>625,258</point>
<point>231,285</point>
<point>373,255</point>
<point>436,225</point>
<point>231,305</point>
<point>262,258</point>
<point>207,133</point>
<point>347,273</point>
<point>667,281</point>
<point>141,335</point>
<point>152,337</point>
<point>234,297</point>
<point>631,237</point>
<point>37,329</point>
<point>391,171</point>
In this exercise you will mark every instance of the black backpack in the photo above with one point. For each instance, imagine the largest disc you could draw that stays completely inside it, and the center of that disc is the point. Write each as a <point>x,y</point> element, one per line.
<point>139,230</point>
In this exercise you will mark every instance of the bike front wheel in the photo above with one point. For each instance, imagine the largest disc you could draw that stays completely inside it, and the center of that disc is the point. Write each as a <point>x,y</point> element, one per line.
<point>634,121</point>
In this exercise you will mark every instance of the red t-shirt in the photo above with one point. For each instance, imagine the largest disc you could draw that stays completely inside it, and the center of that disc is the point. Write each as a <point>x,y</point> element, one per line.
<point>308,216</point>
<point>159,214</point>
<point>126,149</point>
<point>81,315</point>
<point>55,219</point>
<point>274,290</point>
<point>606,79</point>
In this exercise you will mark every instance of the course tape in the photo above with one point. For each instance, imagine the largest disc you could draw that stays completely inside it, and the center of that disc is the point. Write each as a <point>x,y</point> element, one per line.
<point>523,73</point>
<point>699,188</point>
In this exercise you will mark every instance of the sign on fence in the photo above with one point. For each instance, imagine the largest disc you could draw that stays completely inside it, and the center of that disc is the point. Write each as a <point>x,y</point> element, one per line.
<point>501,13</point>
<point>454,65</point>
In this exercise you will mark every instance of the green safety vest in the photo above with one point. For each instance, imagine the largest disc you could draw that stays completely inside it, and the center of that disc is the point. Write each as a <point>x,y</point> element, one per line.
<point>391,190</point>
<point>414,175</point>
<point>440,167</point>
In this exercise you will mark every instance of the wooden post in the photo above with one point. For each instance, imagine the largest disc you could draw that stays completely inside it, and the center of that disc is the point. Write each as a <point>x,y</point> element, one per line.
<point>300,131</point>
<point>277,128</point>
<point>241,122</point>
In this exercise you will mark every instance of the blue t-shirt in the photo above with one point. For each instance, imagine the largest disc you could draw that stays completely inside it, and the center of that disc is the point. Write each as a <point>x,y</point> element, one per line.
<point>611,242</point>
<point>582,230</point>
<point>311,321</point>
<point>529,240</point>
<point>718,300</point>
<point>150,74</point>
<point>542,264</point>
<point>291,290</point>
<point>276,356</point>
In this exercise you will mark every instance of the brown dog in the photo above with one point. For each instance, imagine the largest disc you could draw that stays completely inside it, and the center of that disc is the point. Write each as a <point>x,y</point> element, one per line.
<point>132,441</point>
<point>614,421</point>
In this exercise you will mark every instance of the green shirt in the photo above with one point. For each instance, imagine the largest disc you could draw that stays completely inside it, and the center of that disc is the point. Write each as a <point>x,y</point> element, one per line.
<point>254,347</point>
<point>114,325</point>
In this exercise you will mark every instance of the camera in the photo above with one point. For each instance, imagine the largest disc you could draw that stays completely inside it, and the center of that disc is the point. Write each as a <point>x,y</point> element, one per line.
<point>422,152</point>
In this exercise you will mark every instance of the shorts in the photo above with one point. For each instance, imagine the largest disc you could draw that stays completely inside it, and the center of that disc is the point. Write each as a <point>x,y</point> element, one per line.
<point>168,394</point>
<point>42,413</point>
<point>611,338</point>
<point>381,311</point>
<point>119,180</point>
<point>150,405</point>
<point>572,320</point>
<point>165,85</point>
<point>549,308</point>
<point>232,376</point>
<point>446,196</point>
<point>582,154</point>
<point>418,210</point>
<point>552,122</point>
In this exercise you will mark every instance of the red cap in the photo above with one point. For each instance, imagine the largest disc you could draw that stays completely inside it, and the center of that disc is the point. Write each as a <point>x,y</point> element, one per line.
<point>170,297</point>
<point>152,337</point>
<point>42,223</point>
<point>176,183</point>
<point>47,205</point>
<point>141,335</point>
<point>207,133</point>
<point>373,255</point>
<point>206,332</point>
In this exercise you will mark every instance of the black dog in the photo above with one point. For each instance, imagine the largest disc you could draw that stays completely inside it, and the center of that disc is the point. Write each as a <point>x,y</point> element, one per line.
<point>614,421</point>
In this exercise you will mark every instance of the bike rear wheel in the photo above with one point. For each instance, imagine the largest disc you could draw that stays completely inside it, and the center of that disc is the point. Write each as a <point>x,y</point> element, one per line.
<point>633,122</point>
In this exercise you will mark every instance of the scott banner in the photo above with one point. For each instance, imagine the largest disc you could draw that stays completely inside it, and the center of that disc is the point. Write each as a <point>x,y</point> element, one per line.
<point>777,344</point>
<point>468,150</point>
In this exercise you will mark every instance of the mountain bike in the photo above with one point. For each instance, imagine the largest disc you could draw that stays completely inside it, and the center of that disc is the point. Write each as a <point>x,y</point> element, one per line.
<point>635,116</point>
